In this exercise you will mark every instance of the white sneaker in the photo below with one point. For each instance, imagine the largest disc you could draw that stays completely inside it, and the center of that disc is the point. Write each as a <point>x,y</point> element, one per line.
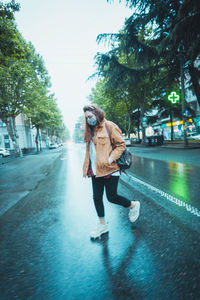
<point>134,212</point>
<point>101,229</point>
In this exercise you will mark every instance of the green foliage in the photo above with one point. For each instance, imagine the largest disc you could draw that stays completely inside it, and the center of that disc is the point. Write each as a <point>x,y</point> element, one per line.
<point>7,9</point>
<point>63,133</point>
<point>24,80</point>
<point>110,102</point>
<point>126,84</point>
<point>12,44</point>
<point>145,58</point>
<point>171,29</point>
<point>13,85</point>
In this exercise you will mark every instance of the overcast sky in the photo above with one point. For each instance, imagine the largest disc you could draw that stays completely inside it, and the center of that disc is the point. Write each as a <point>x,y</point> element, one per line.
<point>64,33</point>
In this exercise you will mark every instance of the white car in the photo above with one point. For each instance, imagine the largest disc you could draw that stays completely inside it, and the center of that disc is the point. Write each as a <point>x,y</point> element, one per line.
<point>127,141</point>
<point>4,152</point>
<point>53,146</point>
<point>193,136</point>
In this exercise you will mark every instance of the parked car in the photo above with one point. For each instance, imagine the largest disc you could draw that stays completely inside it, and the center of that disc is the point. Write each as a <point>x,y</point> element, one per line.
<point>53,146</point>
<point>133,139</point>
<point>4,152</point>
<point>193,136</point>
<point>127,141</point>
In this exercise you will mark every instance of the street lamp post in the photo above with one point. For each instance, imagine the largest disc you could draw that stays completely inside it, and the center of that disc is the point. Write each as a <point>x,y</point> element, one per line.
<point>185,141</point>
<point>181,48</point>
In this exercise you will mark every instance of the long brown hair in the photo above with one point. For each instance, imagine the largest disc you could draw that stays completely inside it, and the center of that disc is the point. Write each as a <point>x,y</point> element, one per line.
<point>99,113</point>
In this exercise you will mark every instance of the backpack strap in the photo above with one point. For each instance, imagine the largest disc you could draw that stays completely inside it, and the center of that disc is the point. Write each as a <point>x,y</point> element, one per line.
<point>108,131</point>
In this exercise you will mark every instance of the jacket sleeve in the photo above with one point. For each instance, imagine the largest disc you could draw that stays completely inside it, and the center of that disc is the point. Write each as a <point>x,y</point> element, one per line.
<point>86,160</point>
<point>117,140</point>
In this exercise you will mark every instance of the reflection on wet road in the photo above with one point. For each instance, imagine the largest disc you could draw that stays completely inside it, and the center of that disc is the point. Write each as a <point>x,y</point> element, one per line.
<point>46,253</point>
<point>178,179</point>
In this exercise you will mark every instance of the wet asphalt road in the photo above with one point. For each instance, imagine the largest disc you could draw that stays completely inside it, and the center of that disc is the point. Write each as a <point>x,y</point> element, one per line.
<point>45,251</point>
<point>176,171</point>
<point>180,179</point>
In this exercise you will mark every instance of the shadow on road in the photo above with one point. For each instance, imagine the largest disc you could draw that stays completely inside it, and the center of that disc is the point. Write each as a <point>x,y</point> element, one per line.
<point>121,282</point>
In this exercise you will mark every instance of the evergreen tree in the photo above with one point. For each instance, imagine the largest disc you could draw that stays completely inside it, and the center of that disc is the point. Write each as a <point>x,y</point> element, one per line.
<point>175,37</point>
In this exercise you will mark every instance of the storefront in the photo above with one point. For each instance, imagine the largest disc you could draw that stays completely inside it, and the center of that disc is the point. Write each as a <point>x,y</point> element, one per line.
<point>197,124</point>
<point>178,129</point>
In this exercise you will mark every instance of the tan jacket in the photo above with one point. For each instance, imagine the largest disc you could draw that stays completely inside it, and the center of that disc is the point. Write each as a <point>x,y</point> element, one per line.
<point>104,149</point>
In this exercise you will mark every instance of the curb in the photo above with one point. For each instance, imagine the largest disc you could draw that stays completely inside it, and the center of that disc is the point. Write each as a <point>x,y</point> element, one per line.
<point>175,146</point>
<point>181,147</point>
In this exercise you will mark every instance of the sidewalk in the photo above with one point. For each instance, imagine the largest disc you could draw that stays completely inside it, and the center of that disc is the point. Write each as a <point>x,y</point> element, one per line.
<point>179,144</point>
<point>173,145</point>
<point>5,160</point>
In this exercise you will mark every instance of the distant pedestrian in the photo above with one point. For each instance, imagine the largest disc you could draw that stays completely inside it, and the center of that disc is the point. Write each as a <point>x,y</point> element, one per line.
<point>100,164</point>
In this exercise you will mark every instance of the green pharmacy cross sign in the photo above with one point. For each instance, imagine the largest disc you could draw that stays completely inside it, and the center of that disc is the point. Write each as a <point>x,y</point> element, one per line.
<point>173,97</point>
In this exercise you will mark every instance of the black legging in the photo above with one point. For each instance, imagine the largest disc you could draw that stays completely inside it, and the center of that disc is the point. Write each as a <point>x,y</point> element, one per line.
<point>111,193</point>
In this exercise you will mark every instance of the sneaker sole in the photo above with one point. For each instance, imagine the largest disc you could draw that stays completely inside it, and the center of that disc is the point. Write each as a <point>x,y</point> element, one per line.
<point>98,236</point>
<point>135,219</point>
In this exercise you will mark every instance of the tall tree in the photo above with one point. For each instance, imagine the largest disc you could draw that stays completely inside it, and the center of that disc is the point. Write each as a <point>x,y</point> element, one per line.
<point>175,26</point>
<point>111,103</point>
<point>20,81</point>
<point>43,113</point>
<point>24,81</point>
<point>130,80</point>
<point>13,83</point>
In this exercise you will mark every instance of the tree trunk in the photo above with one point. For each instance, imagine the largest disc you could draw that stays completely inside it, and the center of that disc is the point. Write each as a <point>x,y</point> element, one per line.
<point>195,81</point>
<point>40,142</point>
<point>138,124</point>
<point>138,128</point>
<point>12,131</point>
<point>129,112</point>
<point>129,125</point>
<point>37,138</point>
<point>143,128</point>
<point>143,134</point>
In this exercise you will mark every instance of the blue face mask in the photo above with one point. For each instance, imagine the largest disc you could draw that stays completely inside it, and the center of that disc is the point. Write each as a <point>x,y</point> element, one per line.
<point>92,121</point>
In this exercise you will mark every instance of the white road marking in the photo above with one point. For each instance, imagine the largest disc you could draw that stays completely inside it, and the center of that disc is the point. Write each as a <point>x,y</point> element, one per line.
<point>191,209</point>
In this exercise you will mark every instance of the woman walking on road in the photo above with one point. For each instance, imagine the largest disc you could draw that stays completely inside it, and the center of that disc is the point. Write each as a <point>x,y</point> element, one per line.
<point>100,164</point>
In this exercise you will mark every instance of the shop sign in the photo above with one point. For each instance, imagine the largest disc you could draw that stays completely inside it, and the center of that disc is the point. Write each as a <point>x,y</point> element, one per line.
<point>176,123</point>
<point>173,97</point>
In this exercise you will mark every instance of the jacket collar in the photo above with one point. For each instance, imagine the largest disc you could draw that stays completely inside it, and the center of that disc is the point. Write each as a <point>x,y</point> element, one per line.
<point>102,123</point>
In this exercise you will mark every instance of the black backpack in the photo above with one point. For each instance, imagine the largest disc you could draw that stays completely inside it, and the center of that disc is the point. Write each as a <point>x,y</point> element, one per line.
<point>125,160</point>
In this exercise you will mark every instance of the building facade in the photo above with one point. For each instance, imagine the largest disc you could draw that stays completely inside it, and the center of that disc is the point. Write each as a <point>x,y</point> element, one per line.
<point>26,135</point>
